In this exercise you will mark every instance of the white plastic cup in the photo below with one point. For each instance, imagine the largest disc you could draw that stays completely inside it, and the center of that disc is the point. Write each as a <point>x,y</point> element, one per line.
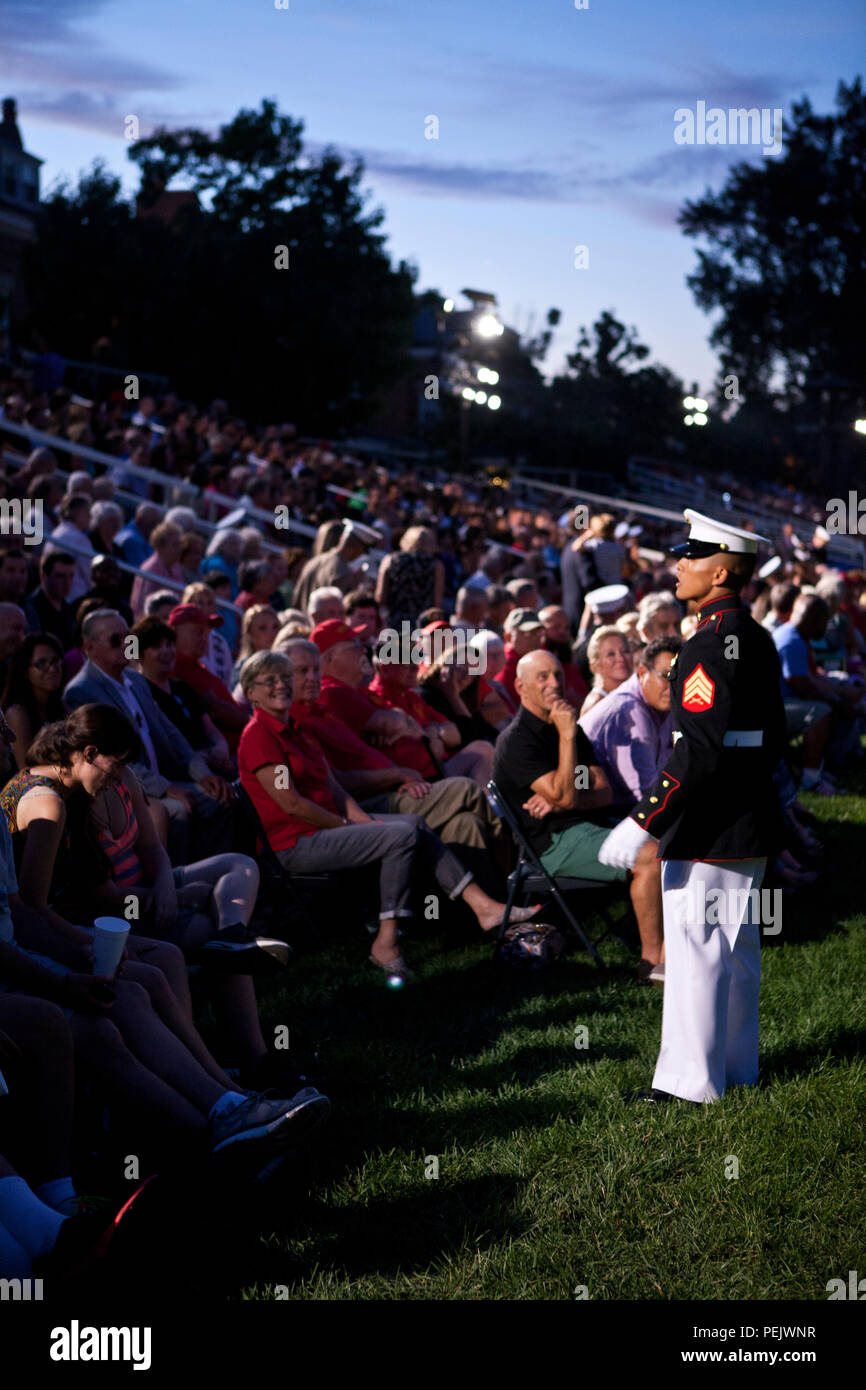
<point>109,942</point>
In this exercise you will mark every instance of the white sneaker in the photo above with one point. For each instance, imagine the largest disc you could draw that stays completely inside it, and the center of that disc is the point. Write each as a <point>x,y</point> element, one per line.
<point>657,974</point>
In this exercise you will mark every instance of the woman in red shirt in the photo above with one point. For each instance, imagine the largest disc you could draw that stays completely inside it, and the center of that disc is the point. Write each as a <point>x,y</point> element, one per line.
<point>312,824</point>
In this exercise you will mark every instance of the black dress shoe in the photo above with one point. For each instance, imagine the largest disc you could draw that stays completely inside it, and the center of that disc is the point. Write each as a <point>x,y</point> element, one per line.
<point>654,1097</point>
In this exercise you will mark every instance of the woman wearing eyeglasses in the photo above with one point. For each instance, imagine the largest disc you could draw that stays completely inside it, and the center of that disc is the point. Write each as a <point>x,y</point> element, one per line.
<point>32,696</point>
<point>312,824</point>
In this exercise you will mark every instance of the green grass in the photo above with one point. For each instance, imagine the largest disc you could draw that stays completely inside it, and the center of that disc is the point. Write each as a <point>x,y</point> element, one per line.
<point>546,1180</point>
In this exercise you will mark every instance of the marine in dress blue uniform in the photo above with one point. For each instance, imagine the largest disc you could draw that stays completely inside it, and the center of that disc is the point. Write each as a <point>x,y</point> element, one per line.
<point>716,814</point>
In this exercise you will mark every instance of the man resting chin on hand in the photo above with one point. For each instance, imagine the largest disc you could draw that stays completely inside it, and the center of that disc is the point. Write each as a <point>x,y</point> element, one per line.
<point>546,769</point>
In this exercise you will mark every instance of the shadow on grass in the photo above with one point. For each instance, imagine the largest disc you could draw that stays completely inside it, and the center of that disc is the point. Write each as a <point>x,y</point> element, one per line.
<point>388,1236</point>
<point>800,1059</point>
<point>463,1007</point>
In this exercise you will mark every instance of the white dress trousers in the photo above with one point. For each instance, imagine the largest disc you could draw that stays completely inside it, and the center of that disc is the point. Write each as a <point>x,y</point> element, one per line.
<point>712,977</point>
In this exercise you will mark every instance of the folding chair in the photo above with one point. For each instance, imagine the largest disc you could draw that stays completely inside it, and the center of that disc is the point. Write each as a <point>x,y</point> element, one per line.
<point>530,878</point>
<point>286,891</point>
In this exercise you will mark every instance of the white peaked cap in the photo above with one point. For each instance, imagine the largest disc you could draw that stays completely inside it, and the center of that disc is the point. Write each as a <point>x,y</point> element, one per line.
<point>706,536</point>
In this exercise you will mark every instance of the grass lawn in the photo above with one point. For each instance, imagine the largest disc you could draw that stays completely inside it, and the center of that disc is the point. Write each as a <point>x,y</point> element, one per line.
<point>546,1181</point>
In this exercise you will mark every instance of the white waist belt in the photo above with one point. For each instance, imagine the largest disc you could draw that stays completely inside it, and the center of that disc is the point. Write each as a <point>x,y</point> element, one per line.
<point>743,738</point>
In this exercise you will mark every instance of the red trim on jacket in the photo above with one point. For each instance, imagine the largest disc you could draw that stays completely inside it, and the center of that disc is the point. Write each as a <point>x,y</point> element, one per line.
<point>675,787</point>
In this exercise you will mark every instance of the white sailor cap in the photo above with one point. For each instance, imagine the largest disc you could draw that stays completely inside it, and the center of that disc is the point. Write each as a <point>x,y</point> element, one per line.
<point>775,563</point>
<point>608,598</point>
<point>708,536</point>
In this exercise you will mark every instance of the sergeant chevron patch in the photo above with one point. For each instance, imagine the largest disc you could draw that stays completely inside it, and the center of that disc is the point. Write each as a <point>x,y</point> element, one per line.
<point>699,691</point>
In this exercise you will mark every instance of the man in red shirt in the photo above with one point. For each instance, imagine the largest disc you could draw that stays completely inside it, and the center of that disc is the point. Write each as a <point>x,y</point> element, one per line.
<point>366,713</point>
<point>395,682</point>
<point>390,713</point>
<point>192,626</point>
<point>455,807</point>
<point>313,825</point>
<point>557,639</point>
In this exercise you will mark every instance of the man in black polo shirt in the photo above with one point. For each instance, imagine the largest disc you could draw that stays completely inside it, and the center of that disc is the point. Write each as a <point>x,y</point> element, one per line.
<point>546,769</point>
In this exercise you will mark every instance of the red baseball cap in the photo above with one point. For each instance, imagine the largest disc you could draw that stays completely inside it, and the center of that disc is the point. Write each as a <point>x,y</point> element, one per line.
<point>191,613</point>
<point>329,634</point>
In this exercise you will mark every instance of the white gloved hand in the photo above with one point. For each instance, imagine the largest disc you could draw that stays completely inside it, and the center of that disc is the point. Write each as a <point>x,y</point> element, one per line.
<point>623,844</point>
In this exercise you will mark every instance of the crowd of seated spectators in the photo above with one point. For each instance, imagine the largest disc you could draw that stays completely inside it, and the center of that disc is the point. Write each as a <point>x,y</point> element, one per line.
<point>165,678</point>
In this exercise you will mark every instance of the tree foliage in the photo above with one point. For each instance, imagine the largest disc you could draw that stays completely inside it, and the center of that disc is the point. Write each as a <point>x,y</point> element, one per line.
<point>200,298</point>
<point>611,401</point>
<point>785,262</point>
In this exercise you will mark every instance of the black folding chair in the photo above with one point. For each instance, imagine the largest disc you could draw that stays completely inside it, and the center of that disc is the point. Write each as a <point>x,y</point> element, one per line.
<point>530,878</point>
<point>287,893</point>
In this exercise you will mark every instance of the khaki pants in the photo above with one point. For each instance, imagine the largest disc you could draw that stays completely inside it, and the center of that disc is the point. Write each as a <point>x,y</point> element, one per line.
<point>457,809</point>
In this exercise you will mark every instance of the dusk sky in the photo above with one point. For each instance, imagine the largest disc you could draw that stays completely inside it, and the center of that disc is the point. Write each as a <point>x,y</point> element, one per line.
<point>555,124</point>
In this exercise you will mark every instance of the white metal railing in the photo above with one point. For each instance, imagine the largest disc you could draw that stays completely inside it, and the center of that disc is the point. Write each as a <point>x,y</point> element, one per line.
<point>580,494</point>
<point>842,550</point>
<point>208,527</point>
<point>113,464</point>
<point>84,451</point>
<point>70,547</point>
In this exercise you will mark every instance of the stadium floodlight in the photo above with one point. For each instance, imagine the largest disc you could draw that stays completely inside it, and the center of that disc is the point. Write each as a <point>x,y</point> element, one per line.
<point>701,405</point>
<point>480,397</point>
<point>689,402</point>
<point>488,326</point>
<point>860,426</point>
<point>448,305</point>
<point>493,403</point>
<point>468,393</point>
<point>689,420</point>
<point>700,418</point>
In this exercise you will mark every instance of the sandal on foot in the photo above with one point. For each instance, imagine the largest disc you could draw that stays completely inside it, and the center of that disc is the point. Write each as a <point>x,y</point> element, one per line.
<point>396,967</point>
<point>516,917</point>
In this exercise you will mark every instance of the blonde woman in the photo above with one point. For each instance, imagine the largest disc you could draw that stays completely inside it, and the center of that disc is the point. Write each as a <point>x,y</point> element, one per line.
<point>327,536</point>
<point>610,662</point>
<point>258,634</point>
<point>412,578</point>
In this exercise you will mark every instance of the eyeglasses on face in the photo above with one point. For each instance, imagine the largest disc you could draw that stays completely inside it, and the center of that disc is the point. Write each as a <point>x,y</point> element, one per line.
<point>47,663</point>
<point>664,675</point>
<point>115,639</point>
<point>274,683</point>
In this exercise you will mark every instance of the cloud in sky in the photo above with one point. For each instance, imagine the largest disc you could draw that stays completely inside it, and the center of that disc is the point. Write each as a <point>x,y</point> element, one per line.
<point>67,75</point>
<point>615,97</point>
<point>579,184</point>
<point>44,44</point>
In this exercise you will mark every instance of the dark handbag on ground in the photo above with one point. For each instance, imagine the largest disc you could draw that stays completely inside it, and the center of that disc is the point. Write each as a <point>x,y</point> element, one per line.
<point>530,945</point>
